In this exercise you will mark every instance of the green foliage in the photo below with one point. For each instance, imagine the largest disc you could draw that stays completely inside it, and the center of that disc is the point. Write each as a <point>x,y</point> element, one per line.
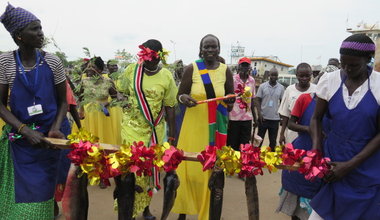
<point>63,57</point>
<point>86,51</point>
<point>124,58</point>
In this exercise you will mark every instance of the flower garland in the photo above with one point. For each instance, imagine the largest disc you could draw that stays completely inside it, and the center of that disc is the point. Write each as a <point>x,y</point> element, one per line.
<point>245,96</point>
<point>140,159</point>
<point>137,158</point>
<point>251,160</point>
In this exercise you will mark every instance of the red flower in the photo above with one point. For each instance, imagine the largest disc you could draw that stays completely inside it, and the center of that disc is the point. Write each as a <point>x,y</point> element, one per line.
<point>79,152</point>
<point>142,159</point>
<point>146,54</point>
<point>208,157</point>
<point>314,165</point>
<point>172,158</point>
<point>150,193</point>
<point>250,161</point>
<point>290,155</point>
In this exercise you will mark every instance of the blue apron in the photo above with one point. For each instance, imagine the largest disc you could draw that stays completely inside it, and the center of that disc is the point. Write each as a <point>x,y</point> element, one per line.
<point>35,169</point>
<point>64,161</point>
<point>357,195</point>
<point>293,181</point>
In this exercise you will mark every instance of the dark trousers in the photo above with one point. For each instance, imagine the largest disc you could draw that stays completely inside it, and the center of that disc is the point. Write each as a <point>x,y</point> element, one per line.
<point>239,132</point>
<point>272,127</point>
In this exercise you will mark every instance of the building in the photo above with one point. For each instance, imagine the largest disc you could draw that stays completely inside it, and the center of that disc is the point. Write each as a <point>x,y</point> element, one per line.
<point>262,65</point>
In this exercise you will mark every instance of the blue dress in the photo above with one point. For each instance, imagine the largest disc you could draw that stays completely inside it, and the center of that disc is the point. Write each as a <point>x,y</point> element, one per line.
<point>357,195</point>
<point>293,181</point>
<point>35,169</point>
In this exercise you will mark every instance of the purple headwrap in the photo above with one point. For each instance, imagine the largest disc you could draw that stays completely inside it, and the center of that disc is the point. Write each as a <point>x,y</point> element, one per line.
<point>16,18</point>
<point>358,45</point>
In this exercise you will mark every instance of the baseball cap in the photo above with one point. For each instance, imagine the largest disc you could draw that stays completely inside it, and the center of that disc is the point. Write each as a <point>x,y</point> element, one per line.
<point>245,60</point>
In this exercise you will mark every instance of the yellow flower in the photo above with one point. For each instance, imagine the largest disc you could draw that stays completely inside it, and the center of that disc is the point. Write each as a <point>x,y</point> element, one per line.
<point>271,159</point>
<point>228,160</point>
<point>82,135</point>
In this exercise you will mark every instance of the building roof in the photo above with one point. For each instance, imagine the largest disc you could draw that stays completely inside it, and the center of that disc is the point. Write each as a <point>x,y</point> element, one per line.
<point>270,61</point>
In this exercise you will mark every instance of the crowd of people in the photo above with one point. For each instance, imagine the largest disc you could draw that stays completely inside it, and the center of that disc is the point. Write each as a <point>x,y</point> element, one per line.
<point>336,112</point>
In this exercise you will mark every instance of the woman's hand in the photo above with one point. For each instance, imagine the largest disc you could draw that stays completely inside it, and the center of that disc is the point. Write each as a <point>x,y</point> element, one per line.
<point>56,134</point>
<point>338,171</point>
<point>187,100</point>
<point>36,138</point>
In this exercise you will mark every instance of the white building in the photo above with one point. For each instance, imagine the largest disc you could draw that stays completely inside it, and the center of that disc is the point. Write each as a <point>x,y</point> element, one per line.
<point>263,64</point>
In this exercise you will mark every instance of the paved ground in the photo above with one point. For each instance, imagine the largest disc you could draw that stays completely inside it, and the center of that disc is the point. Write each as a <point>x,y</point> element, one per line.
<point>234,205</point>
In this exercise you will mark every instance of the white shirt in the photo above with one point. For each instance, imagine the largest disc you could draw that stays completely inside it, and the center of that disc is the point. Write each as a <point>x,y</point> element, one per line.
<point>287,103</point>
<point>329,84</point>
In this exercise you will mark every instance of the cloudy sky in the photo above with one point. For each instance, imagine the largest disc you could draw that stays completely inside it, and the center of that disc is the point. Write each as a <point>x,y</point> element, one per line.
<point>294,30</point>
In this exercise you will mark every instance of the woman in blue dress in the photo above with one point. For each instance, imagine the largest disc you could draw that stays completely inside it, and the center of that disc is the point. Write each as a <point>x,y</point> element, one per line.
<point>351,98</point>
<point>35,82</point>
<point>296,191</point>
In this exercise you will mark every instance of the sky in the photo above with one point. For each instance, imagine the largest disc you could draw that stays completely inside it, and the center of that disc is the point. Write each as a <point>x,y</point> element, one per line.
<point>293,30</point>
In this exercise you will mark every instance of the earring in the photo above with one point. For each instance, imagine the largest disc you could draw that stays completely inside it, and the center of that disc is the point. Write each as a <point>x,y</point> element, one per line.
<point>19,38</point>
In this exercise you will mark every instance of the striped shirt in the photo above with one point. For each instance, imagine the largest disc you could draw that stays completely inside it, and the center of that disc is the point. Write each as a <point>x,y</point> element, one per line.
<point>8,68</point>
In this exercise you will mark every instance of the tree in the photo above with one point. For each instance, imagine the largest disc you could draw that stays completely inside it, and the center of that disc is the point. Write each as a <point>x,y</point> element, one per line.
<point>124,58</point>
<point>61,55</point>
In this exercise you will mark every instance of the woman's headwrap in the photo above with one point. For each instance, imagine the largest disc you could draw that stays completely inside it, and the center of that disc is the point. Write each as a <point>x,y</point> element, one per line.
<point>15,19</point>
<point>359,45</point>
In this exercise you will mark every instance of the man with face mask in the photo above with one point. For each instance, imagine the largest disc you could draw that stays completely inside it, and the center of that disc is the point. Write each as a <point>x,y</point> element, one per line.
<point>240,120</point>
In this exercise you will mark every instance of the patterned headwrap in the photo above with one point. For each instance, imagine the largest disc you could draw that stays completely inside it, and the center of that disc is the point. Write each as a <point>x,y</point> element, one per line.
<point>359,45</point>
<point>329,68</point>
<point>16,18</point>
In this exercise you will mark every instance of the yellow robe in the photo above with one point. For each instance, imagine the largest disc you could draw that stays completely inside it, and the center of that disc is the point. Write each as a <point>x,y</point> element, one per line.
<point>193,195</point>
<point>160,90</point>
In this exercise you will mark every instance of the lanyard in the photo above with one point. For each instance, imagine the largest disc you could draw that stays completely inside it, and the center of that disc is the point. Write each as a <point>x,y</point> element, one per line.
<point>23,74</point>
<point>272,89</point>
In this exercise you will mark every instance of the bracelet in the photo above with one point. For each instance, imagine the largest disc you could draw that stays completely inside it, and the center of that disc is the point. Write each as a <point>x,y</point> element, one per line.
<point>20,128</point>
<point>179,99</point>
<point>171,139</point>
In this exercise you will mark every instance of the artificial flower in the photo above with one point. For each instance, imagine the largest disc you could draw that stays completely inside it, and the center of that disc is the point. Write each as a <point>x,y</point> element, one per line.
<point>314,165</point>
<point>163,55</point>
<point>271,159</point>
<point>146,54</point>
<point>290,156</point>
<point>208,157</point>
<point>172,158</point>
<point>228,160</point>
<point>250,161</point>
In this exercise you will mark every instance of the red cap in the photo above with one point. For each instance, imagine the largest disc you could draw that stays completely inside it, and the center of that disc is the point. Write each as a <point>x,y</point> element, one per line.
<point>245,60</point>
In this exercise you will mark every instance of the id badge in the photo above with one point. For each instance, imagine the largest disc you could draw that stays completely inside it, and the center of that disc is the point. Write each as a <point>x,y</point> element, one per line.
<point>35,110</point>
<point>270,103</point>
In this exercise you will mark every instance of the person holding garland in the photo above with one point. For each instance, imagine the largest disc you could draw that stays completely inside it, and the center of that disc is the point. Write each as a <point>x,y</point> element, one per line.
<point>37,101</point>
<point>204,79</point>
<point>151,93</point>
<point>351,98</point>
